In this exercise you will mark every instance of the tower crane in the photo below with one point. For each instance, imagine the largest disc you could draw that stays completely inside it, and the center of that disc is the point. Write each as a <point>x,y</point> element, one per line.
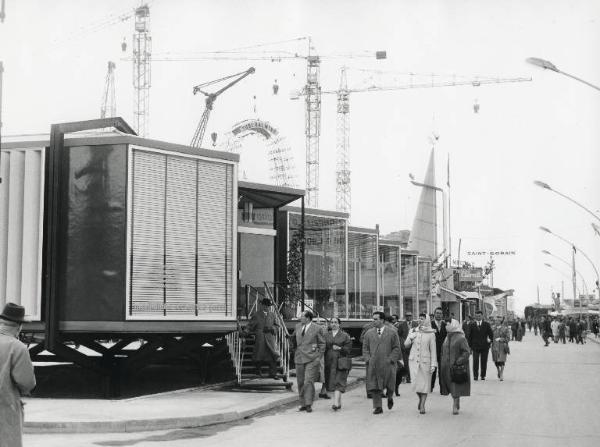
<point>108,97</point>
<point>343,184</point>
<point>210,100</point>
<point>311,91</point>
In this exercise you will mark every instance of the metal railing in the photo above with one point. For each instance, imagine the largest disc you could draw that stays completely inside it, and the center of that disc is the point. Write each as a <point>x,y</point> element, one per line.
<point>236,350</point>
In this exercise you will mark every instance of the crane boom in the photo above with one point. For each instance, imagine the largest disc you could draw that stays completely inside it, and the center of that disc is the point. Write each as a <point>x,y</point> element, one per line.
<point>210,100</point>
<point>343,184</point>
<point>108,96</point>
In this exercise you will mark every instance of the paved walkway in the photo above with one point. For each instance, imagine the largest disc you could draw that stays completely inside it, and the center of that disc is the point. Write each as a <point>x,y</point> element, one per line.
<point>187,408</point>
<point>549,398</point>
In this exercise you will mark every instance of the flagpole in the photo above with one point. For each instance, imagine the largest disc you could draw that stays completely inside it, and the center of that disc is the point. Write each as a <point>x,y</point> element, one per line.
<point>449,215</point>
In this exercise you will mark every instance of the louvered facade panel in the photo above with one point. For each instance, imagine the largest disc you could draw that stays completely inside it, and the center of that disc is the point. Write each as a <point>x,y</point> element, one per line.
<point>181,237</point>
<point>21,225</point>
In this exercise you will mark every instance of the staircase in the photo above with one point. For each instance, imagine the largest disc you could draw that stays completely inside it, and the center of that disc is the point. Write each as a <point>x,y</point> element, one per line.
<point>241,347</point>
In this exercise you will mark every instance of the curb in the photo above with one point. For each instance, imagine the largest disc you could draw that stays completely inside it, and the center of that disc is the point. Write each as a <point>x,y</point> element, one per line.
<point>139,425</point>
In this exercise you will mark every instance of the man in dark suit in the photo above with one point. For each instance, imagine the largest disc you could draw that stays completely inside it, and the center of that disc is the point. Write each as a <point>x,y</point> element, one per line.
<point>439,326</point>
<point>404,328</point>
<point>310,346</point>
<point>480,337</point>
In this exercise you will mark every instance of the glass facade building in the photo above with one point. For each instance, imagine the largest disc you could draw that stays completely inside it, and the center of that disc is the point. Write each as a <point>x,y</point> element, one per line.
<point>362,273</point>
<point>390,279</point>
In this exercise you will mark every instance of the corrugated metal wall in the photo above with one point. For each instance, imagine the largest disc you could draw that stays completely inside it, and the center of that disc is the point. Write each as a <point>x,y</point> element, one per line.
<point>180,237</point>
<point>21,225</point>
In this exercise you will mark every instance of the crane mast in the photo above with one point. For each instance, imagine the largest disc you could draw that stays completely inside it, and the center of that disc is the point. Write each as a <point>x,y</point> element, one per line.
<point>313,129</point>
<point>343,184</point>
<point>108,97</point>
<point>142,50</point>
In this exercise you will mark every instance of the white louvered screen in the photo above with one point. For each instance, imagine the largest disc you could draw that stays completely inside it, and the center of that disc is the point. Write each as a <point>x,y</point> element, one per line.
<point>21,226</point>
<point>181,231</point>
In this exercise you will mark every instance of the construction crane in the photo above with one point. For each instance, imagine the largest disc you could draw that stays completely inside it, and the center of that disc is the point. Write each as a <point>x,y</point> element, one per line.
<point>108,97</point>
<point>311,90</point>
<point>343,173</point>
<point>142,50</point>
<point>210,100</point>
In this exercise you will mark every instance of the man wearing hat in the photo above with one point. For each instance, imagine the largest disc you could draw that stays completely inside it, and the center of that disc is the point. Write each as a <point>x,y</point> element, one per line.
<point>16,375</point>
<point>264,326</point>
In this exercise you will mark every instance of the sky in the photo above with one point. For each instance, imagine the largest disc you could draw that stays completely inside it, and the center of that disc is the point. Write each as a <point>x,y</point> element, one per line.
<point>55,56</point>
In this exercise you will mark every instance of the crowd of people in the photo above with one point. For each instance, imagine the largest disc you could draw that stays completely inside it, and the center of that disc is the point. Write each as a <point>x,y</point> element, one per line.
<point>562,328</point>
<point>431,349</point>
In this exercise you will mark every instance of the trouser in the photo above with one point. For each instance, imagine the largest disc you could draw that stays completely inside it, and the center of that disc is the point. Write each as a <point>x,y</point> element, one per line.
<point>434,374</point>
<point>545,337</point>
<point>377,395</point>
<point>306,374</point>
<point>562,338</point>
<point>477,355</point>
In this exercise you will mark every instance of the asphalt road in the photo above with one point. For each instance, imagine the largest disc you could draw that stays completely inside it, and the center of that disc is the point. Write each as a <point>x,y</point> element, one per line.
<point>550,397</point>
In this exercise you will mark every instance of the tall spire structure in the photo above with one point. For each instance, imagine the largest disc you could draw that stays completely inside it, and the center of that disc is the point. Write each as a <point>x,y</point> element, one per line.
<point>423,236</point>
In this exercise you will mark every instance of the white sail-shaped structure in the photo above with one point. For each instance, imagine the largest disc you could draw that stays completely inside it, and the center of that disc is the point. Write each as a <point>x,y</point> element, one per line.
<point>423,236</point>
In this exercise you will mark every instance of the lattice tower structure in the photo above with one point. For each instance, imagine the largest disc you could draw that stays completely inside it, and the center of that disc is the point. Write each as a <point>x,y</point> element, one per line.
<point>109,104</point>
<point>142,50</point>
<point>313,129</point>
<point>343,186</point>
<point>282,164</point>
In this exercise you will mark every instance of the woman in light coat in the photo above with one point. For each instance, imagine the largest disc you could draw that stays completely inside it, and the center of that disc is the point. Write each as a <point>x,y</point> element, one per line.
<point>500,348</point>
<point>422,359</point>
<point>455,351</point>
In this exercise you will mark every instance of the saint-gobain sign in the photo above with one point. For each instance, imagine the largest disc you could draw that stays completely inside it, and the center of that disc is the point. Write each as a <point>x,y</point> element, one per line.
<point>491,253</point>
<point>470,275</point>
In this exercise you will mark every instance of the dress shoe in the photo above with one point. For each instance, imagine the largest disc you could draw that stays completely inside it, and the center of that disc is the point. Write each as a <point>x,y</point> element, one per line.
<point>369,396</point>
<point>378,410</point>
<point>302,408</point>
<point>335,407</point>
<point>390,403</point>
<point>483,378</point>
<point>308,409</point>
<point>422,411</point>
<point>475,378</point>
<point>324,396</point>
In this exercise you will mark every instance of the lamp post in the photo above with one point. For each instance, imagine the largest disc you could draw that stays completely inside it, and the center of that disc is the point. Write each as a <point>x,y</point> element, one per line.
<point>547,65</point>
<point>585,287</point>
<point>575,249</point>
<point>438,189</point>
<point>549,188</point>
<point>575,288</point>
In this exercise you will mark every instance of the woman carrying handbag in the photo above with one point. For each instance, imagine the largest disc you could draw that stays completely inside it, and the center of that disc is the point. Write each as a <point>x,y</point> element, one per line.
<point>455,377</point>
<point>337,361</point>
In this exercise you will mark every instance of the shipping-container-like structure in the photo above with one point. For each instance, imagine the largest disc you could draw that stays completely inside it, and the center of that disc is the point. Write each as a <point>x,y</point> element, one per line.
<point>106,236</point>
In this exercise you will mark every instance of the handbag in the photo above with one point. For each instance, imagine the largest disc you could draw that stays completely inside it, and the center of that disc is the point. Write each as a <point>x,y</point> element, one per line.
<point>344,363</point>
<point>459,373</point>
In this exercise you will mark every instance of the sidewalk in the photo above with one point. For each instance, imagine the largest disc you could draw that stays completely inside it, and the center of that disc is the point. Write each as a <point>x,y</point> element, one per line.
<point>178,409</point>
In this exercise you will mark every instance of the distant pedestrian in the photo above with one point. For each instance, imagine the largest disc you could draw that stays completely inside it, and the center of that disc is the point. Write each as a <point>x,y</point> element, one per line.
<point>554,329</point>
<point>403,329</point>
<point>562,336</point>
<point>439,326</point>
<point>500,347</point>
<point>455,351</point>
<point>535,326</point>
<point>310,346</point>
<point>264,326</point>
<point>423,358</point>
<point>466,326</point>
<point>572,330</point>
<point>381,351</point>
<point>338,362</point>
<point>17,378</point>
<point>480,337</point>
<point>581,331</point>
<point>545,329</point>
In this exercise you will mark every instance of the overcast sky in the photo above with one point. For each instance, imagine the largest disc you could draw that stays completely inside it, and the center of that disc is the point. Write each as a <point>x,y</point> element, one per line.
<point>55,56</point>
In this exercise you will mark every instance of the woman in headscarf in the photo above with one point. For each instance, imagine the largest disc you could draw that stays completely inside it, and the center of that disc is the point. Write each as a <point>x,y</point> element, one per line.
<point>422,359</point>
<point>455,351</point>
<point>500,347</point>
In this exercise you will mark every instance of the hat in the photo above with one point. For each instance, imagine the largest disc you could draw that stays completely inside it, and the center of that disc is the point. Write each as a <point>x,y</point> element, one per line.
<point>13,312</point>
<point>265,302</point>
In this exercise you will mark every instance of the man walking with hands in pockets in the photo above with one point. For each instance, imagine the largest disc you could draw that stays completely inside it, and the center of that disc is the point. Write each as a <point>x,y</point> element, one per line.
<point>381,351</point>
<point>310,346</point>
